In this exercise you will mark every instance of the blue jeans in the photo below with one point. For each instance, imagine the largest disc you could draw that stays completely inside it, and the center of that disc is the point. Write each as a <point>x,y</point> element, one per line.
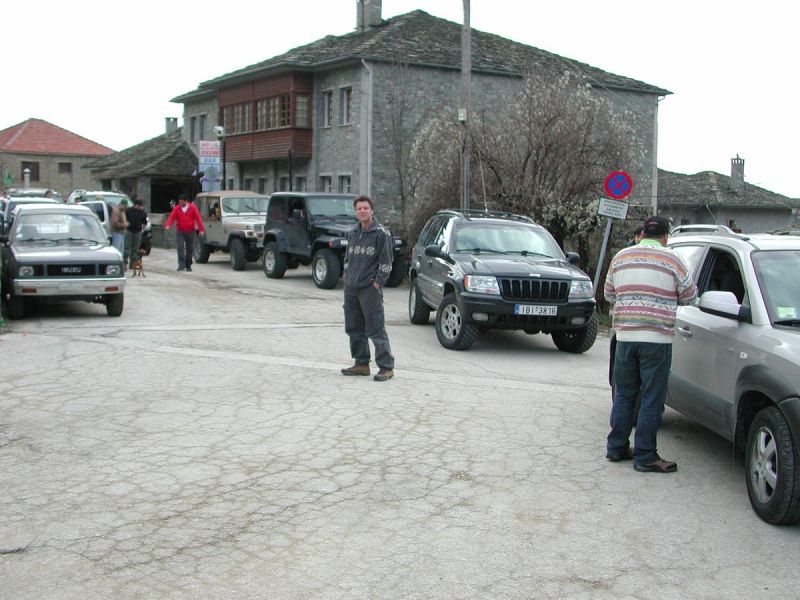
<point>118,241</point>
<point>639,366</point>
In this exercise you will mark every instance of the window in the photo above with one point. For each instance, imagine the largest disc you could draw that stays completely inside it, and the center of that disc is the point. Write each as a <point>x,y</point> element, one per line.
<point>261,115</point>
<point>283,184</point>
<point>237,118</point>
<point>201,127</point>
<point>302,110</point>
<point>33,167</point>
<point>325,183</point>
<point>327,109</point>
<point>230,184</point>
<point>300,184</point>
<point>248,184</point>
<point>192,129</point>
<point>262,185</point>
<point>344,184</point>
<point>65,168</point>
<point>346,104</point>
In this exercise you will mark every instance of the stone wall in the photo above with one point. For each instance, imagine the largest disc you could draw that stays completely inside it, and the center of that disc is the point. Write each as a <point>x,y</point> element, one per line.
<point>49,176</point>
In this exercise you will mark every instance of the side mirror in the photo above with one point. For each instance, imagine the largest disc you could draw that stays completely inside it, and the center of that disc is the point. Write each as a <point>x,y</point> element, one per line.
<point>573,258</point>
<point>724,304</point>
<point>436,252</point>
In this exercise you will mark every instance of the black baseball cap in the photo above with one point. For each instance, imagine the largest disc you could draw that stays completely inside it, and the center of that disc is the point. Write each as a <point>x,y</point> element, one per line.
<point>656,226</point>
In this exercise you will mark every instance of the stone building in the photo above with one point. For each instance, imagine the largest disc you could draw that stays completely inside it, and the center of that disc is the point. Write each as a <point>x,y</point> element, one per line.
<point>710,197</point>
<point>53,156</point>
<point>155,171</point>
<point>307,119</point>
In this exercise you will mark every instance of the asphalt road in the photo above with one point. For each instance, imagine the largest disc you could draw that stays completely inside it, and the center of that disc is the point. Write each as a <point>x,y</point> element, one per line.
<point>204,445</point>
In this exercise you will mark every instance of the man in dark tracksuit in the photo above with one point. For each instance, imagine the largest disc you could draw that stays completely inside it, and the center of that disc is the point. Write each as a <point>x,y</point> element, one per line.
<point>367,265</point>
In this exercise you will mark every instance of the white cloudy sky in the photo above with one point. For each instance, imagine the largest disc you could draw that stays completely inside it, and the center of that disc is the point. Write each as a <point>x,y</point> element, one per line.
<point>106,70</point>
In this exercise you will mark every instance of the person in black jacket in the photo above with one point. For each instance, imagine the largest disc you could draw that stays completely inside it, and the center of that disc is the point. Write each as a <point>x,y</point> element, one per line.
<point>137,219</point>
<point>367,265</point>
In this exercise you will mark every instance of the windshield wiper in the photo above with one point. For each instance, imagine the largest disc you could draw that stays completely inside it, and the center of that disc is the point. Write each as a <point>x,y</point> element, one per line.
<point>792,322</point>
<point>79,239</point>
<point>481,250</point>
<point>530,253</point>
<point>32,239</point>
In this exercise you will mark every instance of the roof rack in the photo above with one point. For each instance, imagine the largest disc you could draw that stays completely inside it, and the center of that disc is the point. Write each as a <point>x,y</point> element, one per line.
<point>705,229</point>
<point>496,214</point>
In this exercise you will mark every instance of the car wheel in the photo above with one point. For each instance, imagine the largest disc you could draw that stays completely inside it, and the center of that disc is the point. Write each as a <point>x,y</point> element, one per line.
<point>201,251</point>
<point>418,311</point>
<point>453,331</point>
<point>114,305</point>
<point>399,271</point>
<point>577,341</point>
<point>238,255</point>
<point>16,307</point>
<point>326,269</point>
<point>146,247</point>
<point>773,468</point>
<point>274,262</point>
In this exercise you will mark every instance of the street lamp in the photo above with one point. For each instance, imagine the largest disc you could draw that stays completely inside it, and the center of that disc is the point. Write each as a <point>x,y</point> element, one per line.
<point>219,131</point>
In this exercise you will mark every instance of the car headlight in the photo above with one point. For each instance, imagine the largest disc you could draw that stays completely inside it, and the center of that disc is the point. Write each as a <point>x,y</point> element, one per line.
<point>113,270</point>
<point>581,288</point>
<point>26,271</point>
<point>482,284</point>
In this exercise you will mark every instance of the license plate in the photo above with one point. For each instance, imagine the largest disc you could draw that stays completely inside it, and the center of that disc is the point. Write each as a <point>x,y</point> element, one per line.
<point>537,310</point>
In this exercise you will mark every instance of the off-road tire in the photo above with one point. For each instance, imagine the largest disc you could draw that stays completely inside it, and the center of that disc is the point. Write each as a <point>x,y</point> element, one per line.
<point>772,468</point>
<point>399,272</point>
<point>577,341</point>
<point>201,251</point>
<point>238,255</point>
<point>114,304</point>
<point>453,331</point>
<point>418,311</point>
<point>273,261</point>
<point>15,307</point>
<point>326,269</point>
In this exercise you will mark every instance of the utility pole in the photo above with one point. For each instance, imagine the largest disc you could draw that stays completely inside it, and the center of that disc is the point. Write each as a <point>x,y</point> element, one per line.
<point>464,110</point>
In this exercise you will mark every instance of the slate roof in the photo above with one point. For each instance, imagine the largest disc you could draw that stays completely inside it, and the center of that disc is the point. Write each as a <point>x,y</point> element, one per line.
<point>167,154</point>
<point>715,189</point>
<point>418,38</point>
<point>36,136</point>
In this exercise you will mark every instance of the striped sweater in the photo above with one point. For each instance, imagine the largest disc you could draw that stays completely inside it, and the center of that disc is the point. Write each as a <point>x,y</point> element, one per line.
<point>646,283</point>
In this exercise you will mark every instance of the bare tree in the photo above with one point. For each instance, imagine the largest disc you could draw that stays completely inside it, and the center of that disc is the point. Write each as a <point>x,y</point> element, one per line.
<point>548,153</point>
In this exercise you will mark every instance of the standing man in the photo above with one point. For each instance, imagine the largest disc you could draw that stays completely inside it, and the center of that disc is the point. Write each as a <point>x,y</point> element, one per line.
<point>646,283</point>
<point>137,219</point>
<point>187,218</point>
<point>367,265</point>
<point>118,224</point>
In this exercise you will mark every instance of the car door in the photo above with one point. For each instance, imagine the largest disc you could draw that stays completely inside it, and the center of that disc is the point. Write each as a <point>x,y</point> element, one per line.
<point>429,267</point>
<point>101,210</point>
<point>211,212</point>
<point>297,235</point>
<point>705,349</point>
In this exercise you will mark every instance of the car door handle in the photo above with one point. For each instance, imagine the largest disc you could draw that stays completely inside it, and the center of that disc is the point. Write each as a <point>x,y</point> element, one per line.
<point>684,331</point>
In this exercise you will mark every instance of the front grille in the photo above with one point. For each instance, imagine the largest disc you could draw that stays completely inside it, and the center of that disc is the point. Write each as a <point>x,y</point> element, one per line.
<point>534,290</point>
<point>71,270</point>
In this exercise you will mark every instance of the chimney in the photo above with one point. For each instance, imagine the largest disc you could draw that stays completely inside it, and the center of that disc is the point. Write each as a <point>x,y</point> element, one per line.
<point>737,173</point>
<point>368,15</point>
<point>172,124</point>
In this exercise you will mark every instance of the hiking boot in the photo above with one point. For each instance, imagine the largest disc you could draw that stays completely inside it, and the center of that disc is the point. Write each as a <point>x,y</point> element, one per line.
<point>357,369</point>
<point>384,374</point>
<point>659,465</point>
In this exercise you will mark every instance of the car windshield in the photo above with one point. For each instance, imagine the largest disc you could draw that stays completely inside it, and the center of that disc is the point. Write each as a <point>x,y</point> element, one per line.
<point>505,239</point>
<point>777,273</point>
<point>331,207</point>
<point>110,198</point>
<point>245,204</point>
<point>59,229</point>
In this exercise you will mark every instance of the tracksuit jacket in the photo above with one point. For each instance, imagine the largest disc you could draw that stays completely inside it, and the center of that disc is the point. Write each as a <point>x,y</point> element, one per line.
<point>369,256</point>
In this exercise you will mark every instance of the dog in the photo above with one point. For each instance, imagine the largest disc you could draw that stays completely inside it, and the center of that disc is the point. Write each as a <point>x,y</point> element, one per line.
<point>138,265</point>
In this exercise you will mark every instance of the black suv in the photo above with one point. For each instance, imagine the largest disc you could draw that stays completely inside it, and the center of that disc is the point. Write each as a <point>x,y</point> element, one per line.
<point>310,228</point>
<point>494,270</point>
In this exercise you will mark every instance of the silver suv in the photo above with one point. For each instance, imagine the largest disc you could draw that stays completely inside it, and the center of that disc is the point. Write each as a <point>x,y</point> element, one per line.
<point>736,358</point>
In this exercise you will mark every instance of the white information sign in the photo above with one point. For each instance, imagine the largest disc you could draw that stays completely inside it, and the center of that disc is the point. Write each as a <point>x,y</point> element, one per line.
<point>613,209</point>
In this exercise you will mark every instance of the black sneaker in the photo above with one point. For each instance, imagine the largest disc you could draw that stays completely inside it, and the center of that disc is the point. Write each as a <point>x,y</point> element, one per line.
<point>181,269</point>
<point>619,455</point>
<point>659,465</point>
<point>189,269</point>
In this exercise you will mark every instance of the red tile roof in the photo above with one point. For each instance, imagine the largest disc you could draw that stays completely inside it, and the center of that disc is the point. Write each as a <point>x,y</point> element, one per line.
<point>36,136</point>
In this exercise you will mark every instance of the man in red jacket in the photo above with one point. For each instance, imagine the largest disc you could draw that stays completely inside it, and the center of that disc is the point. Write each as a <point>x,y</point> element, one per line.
<point>187,218</point>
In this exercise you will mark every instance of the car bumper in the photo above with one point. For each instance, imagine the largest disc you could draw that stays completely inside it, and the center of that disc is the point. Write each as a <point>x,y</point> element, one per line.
<point>69,287</point>
<point>493,311</point>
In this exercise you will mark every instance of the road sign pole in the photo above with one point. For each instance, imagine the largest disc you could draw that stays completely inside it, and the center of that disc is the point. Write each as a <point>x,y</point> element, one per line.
<point>602,254</point>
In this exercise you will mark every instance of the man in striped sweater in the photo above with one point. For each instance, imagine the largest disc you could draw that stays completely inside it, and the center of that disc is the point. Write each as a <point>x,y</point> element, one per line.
<point>645,283</point>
